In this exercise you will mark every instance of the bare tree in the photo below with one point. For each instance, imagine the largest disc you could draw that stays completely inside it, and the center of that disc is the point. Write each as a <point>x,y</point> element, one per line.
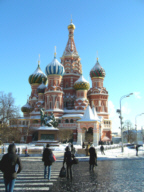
<point>129,131</point>
<point>8,111</point>
<point>7,108</point>
<point>65,135</point>
<point>10,133</point>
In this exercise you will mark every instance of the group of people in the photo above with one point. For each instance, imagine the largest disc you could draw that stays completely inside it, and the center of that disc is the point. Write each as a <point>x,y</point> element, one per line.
<point>11,165</point>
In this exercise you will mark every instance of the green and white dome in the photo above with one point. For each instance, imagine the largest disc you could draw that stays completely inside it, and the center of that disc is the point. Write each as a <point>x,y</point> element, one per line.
<point>37,76</point>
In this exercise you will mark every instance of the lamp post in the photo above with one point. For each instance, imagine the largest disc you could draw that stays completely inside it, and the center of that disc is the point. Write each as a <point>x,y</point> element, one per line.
<point>120,112</point>
<point>136,125</point>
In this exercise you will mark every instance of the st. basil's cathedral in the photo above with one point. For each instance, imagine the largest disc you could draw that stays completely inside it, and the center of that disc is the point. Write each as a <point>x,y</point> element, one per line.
<point>63,90</point>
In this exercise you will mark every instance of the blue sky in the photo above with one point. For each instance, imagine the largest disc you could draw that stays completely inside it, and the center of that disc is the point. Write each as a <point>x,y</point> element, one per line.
<point>113,28</point>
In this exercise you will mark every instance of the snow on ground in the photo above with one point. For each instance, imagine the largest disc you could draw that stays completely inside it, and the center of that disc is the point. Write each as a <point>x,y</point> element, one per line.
<point>111,151</point>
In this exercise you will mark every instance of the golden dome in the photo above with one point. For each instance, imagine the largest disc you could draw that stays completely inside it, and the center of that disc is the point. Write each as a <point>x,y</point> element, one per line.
<point>71,26</point>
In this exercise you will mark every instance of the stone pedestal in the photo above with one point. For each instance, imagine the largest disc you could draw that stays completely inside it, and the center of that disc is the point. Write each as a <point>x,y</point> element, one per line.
<point>79,139</point>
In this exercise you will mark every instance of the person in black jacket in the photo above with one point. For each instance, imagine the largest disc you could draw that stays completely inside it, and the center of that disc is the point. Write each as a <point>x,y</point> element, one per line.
<point>93,157</point>
<point>102,149</point>
<point>47,162</point>
<point>10,165</point>
<point>68,160</point>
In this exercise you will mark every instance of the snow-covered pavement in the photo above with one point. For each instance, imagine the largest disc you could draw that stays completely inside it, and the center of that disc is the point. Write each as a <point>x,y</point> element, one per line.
<point>110,154</point>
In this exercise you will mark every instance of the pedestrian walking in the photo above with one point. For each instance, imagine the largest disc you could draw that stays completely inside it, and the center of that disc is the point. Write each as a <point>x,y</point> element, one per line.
<point>102,149</point>
<point>18,150</point>
<point>93,157</point>
<point>83,145</point>
<point>136,150</point>
<point>47,163</point>
<point>10,165</point>
<point>68,161</point>
<point>73,151</point>
<point>3,149</point>
<point>26,152</point>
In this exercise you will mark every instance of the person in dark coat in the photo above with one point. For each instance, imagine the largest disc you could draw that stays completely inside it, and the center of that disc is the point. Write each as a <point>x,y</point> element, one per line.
<point>136,150</point>
<point>83,145</point>
<point>47,162</point>
<point>93,157</point>
<point>68,161</point>
<point>10,165</point>
<point>18,150</point>
<point>102,149</point>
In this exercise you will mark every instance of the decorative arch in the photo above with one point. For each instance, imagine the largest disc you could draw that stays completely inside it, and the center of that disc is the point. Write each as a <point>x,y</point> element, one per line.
<point>71,121</point>
<point>66,121</point>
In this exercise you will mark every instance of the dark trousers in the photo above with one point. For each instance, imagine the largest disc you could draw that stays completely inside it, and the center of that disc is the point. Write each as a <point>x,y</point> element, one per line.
<point>69,170</point>
<point>9,184</point>
<point>102,152</point>
<point>91,166</point>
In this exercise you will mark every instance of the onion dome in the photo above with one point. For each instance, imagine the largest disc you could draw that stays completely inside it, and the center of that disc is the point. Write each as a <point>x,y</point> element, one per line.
<point>27,108</point>
<point>41,87</point>
<point>81,84</point>
<point>54,68</point>
<point>71,26</point>
<point>97,71</point>
<point>37,76</point>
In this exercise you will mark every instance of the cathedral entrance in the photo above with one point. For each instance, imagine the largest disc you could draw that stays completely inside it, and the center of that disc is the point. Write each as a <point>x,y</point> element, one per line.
<point>89,135</point>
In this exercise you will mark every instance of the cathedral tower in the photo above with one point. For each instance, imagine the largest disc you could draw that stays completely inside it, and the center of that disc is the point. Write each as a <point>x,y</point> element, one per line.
<point>81,86</point>
<point>98,95</point>
<point>54,92</point>
<point>73,69</point>
<point>35,80</point>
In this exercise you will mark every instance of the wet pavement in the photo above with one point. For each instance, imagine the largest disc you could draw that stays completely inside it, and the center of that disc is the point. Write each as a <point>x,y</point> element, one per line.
<point>123,175</point>
<point>108,176</point>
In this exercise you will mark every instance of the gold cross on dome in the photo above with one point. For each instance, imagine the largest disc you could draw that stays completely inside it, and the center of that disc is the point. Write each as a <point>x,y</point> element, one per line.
<point>55,52</point>
<point>97,56</point>
<point>39,60</point>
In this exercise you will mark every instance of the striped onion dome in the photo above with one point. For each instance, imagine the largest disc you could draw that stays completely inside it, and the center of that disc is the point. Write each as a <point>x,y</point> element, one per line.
<point>37,76</point>
<point>27,108</point>
<point>54,68</point>
<point>41,88</point>
<point>81,84</point>
<point>97,71</point>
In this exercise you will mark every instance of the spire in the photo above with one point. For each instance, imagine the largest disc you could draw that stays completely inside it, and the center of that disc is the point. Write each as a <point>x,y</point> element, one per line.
<point>70,49</point>
<point>39,61</point>
<point>55,52</point>
<point>97,56</point>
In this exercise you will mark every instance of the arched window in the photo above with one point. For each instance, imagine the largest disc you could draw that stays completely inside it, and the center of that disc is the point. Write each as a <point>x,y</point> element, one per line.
<point>66,121</point>
<point>71,121</point>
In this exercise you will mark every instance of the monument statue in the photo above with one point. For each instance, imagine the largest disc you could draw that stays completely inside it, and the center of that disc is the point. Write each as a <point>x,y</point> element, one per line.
<point>49,121</point>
